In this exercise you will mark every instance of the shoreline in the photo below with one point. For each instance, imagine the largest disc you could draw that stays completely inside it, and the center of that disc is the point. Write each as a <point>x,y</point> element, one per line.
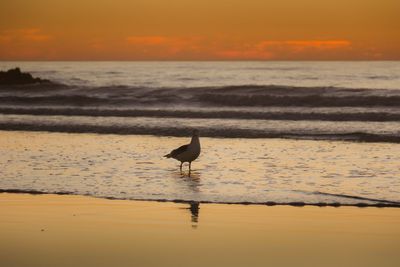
<point>382,204</point>
<point>49,230</point>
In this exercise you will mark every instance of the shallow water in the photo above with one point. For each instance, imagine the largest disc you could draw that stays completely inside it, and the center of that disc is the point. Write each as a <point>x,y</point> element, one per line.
<point>228,170</point>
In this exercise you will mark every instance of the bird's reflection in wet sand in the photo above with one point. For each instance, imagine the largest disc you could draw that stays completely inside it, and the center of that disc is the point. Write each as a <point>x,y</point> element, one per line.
<point>192,183</point>
<point>194,210</point>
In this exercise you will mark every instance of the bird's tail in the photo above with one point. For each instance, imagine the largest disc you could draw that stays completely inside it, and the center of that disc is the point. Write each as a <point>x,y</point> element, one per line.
<point>168,155</point>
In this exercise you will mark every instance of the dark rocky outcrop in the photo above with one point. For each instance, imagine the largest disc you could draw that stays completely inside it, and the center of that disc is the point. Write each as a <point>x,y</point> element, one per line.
<point>15,76</point>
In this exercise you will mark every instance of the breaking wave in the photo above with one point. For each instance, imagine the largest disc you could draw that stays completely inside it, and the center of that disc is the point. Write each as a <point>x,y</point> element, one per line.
<point>271,114</point>
<point>219,128</point>
<point>247,111</point>
<point>236,96</point>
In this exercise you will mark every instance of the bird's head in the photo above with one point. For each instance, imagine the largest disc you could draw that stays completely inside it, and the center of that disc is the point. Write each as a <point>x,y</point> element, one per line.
<point>195,132</point>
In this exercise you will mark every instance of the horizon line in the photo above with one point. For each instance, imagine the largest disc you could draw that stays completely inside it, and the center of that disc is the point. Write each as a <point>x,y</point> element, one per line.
<point>198,60</point>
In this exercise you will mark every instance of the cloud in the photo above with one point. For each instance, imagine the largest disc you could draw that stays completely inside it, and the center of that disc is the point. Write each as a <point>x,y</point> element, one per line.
<point>33,43</point>
<point>25,44</point>
<point>289,49</point>
<point>150,40</point>
<point>299,45</point>
<point>165,47</point>
<point>163,41</point>
<point>23,35</point>
<point>222,48</point>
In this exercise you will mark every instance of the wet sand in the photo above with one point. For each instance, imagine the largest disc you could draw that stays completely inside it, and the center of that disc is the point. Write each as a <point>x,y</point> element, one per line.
<point>50,230</point>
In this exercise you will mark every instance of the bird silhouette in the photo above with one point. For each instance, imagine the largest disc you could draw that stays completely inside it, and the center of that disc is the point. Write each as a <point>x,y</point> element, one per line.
<point>187,153</point>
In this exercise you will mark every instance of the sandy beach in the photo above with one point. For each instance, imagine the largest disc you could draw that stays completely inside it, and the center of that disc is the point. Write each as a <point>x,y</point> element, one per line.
<point>51,230</point>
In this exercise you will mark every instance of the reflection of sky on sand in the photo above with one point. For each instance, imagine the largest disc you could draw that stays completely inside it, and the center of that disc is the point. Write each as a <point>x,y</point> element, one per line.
<point>228,170</point>
<point>147,234</point>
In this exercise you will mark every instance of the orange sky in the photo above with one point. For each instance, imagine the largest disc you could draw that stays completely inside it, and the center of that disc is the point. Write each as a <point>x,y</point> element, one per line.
<point>199,30</point>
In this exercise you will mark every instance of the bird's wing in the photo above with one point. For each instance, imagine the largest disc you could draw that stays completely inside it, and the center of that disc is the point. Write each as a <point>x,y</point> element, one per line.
<point>179,150</point>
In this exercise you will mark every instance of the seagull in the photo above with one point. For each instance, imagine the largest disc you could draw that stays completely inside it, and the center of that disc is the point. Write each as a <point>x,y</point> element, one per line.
<point>187,153</point>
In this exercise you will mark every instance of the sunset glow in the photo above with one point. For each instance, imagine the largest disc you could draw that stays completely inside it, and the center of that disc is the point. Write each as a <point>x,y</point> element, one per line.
<point>199,30</point>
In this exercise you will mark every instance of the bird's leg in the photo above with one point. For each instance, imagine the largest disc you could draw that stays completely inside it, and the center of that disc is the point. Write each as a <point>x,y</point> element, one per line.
<point>181,166</point>
<point>190,167</point>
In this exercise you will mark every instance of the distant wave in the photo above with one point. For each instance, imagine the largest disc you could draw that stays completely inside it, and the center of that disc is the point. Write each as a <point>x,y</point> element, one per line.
<point>206,132</point>
<point>245,95</point>
<point>366,202</point>
<point>214,99</point>
<point>306,100</point>
<point>250,104</point>
<point>192,113</point>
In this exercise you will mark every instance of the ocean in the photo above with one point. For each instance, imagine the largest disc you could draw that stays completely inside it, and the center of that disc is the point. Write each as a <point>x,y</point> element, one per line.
<point>292,132</point>
<point>309,100</point>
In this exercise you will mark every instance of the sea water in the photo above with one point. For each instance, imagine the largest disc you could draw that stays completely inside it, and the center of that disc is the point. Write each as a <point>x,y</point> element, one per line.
<point>277,131</point>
